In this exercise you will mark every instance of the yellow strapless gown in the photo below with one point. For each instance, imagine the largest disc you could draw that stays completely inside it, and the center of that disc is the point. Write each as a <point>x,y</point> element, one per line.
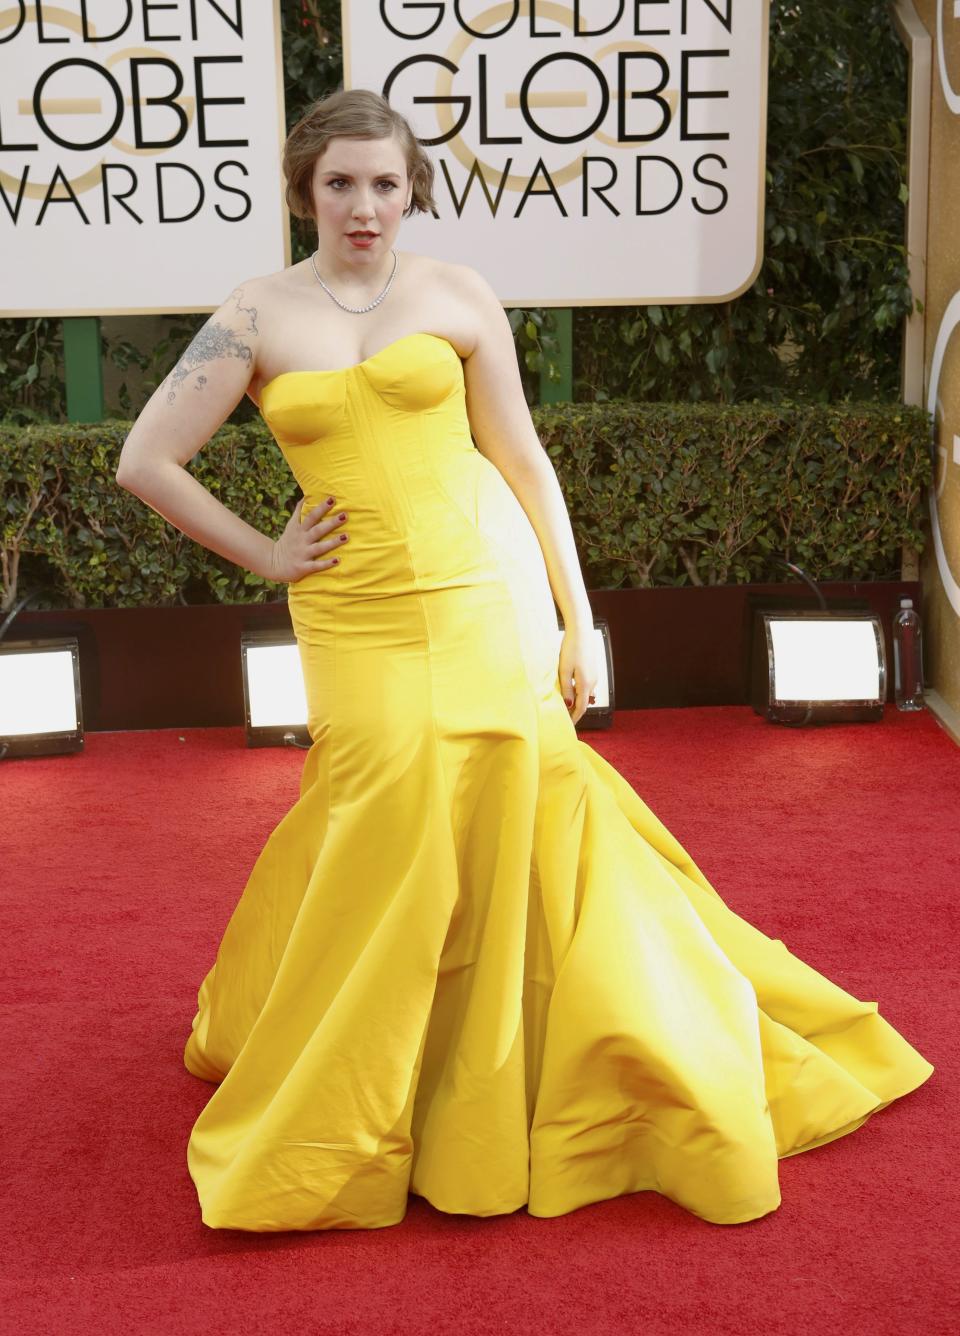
<point>470,963</point>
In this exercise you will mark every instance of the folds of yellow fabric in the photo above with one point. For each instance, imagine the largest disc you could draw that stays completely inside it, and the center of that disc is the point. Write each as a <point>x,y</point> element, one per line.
<point>470,962</point>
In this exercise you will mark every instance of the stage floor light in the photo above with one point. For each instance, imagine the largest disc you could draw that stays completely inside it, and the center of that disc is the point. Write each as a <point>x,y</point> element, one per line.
<point>274,698</point>
<point>818,666</point>
<point>41,711</point>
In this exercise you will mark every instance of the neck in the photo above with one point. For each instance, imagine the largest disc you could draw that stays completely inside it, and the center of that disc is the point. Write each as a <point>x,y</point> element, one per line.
<point>358,278</point>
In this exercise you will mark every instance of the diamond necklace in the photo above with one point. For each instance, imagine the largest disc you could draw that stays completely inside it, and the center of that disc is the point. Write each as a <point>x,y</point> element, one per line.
<point>356,310</point>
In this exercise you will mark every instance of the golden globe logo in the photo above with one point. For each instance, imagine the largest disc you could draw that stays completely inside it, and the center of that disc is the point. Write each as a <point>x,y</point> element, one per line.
<point>626,79</point>
<point>145,138</point>
<point>69,106</point>
<point>576,116</point>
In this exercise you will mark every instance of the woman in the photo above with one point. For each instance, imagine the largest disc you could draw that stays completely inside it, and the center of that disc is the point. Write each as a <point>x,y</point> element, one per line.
<point>469,963</point>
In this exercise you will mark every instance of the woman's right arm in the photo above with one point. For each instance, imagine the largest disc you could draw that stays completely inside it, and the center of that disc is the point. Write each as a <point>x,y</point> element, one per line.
<point>185,410</point>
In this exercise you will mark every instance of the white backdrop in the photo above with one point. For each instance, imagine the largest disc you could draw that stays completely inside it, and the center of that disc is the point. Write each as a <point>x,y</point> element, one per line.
<point>667,97</point>
<point>125,185</point>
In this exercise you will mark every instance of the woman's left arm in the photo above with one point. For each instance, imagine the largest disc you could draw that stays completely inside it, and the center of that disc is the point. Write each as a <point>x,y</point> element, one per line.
<point>504,433</point>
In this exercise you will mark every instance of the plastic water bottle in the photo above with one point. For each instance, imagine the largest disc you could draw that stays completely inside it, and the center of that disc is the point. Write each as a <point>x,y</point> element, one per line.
<point>908,658</point>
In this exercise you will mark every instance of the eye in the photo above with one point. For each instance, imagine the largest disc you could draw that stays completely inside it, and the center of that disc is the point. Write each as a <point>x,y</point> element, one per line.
<point>335,180</point>
<point>392,185</point>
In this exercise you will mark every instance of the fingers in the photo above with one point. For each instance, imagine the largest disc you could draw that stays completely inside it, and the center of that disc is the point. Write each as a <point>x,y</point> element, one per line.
<point>576,697</point>
<point>316,528</point>
<point>318,525</point>
<point>324,518</point>
<point>572,698</point>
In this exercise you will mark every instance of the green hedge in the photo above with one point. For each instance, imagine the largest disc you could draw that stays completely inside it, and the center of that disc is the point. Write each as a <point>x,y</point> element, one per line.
<point>659,494</point>
<point>674,494</point>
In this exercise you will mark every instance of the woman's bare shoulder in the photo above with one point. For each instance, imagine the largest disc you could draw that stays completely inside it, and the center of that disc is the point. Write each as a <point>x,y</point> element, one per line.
<point>446,273</point>
<point>268,287</point>
<point>464,296</point>
<point>263,302</point>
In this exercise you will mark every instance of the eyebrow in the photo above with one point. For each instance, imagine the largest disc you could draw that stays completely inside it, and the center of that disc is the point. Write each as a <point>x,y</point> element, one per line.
<point>332,171</point>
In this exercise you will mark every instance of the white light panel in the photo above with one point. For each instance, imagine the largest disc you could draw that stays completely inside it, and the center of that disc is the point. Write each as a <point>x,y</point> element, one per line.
<point>824,660</point>
<point>275,686</point>
<point>37,692</point>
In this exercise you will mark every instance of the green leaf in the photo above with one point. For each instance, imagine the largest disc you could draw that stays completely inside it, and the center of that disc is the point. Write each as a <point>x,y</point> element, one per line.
<point>715,358</point>
<point>662,347</point>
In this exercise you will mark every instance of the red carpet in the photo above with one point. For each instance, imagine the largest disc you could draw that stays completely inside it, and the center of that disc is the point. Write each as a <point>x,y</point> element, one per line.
<point>119,870</point>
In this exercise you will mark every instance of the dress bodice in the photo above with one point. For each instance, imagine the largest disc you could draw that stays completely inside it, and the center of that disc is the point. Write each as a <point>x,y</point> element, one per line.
<point>413,374</point>
<point>386,437</point>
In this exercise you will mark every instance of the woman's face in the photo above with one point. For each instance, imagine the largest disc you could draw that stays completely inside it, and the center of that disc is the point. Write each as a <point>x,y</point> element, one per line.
<point>360,190</point>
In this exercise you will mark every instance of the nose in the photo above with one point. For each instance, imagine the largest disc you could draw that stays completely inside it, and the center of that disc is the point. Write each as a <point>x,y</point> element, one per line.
<point>363,208</point>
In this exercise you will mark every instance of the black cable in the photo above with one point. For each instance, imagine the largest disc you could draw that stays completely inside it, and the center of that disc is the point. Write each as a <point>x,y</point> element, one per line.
<point>798,570</point>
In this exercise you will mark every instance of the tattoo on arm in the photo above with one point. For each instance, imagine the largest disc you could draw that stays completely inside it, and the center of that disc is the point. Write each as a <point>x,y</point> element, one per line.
<point>214,340</point>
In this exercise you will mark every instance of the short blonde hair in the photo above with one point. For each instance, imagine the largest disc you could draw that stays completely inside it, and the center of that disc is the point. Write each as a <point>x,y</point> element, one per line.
<point>358,113</point>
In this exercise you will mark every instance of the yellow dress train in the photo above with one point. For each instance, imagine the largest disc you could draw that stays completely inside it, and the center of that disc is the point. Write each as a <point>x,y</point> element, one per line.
<point>470,963</point>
